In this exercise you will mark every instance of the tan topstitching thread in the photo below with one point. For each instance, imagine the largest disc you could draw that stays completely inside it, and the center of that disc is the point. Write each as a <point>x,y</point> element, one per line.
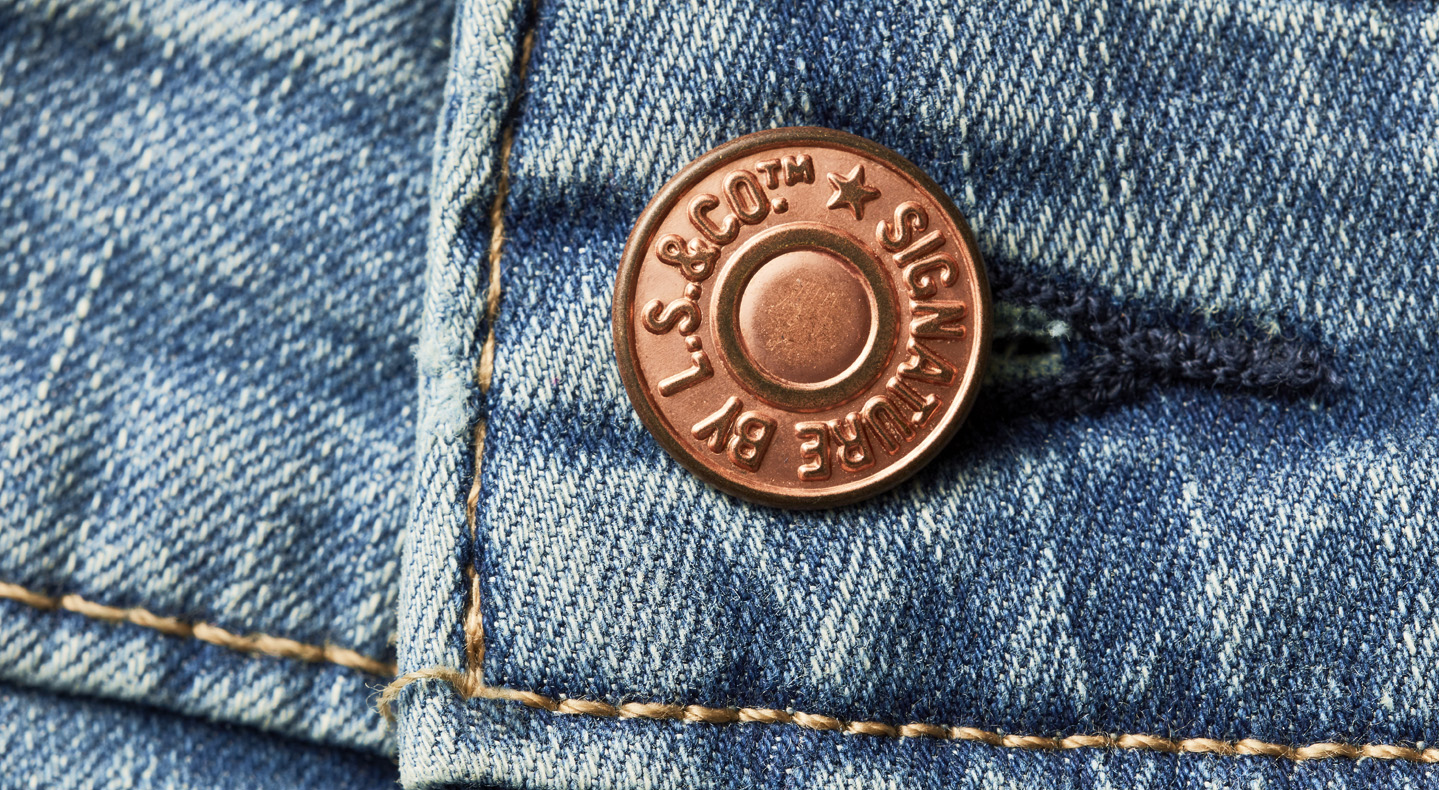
<point>215,635</point>
<point>470,684</point>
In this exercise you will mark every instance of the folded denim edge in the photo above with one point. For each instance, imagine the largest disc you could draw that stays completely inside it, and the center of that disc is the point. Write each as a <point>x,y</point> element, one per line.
<point>59,650</point>
<point>459,285</point>
<point>60,741</point>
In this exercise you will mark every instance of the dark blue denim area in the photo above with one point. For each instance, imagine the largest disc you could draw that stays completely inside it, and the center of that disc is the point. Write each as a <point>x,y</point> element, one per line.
<point>1226,541</point>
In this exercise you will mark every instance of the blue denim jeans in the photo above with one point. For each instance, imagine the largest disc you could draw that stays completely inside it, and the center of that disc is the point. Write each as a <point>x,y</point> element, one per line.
<point>309,403</point>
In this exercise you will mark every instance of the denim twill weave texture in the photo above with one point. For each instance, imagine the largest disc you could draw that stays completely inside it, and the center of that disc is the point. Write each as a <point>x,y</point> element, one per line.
<point>54,740</point>
<point>211,233</point>
<point>1195,503</point>
<point>1231,562</point>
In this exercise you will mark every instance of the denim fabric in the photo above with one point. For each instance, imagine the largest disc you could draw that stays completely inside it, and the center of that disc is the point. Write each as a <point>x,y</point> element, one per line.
<point>1232,559</point>
<point>211,240</point>
<point>57,742</point>
<point>1193,501</point>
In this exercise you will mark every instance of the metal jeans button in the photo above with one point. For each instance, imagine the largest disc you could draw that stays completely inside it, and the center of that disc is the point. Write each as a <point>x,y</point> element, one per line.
<point>801,317</point>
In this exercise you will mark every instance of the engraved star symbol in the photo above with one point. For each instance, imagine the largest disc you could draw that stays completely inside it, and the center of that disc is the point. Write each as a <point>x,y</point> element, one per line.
<point>851,191</point>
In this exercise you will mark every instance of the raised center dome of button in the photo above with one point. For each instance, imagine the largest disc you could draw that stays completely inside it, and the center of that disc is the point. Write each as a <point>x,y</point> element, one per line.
<point>805,316</point>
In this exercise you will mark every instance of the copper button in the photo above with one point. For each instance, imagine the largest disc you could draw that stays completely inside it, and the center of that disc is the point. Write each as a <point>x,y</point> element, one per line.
<point>801,317</point>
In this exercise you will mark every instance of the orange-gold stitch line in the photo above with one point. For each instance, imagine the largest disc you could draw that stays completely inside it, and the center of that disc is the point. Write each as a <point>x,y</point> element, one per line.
<point>484,375</point>
<point>263,644</point>
<point>720,716</point>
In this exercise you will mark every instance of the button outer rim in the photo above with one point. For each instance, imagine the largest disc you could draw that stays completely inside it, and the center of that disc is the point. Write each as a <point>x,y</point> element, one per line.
<point>637,244</point>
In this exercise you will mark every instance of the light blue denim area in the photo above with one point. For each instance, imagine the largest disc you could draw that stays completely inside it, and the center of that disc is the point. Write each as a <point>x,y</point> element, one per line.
<point>55,740</point>
<point>211,239</point>
<point>237,239</point>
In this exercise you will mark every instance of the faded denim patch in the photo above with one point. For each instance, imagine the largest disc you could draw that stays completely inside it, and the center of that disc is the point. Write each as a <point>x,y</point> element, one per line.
<point>211,240</point>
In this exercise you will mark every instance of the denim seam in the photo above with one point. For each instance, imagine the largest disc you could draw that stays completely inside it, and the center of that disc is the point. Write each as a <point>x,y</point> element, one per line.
<point>470,685</point>
<point>276,646</point>
<point>471,682</point>
<point>485,372</point>
<point>690,714</point>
